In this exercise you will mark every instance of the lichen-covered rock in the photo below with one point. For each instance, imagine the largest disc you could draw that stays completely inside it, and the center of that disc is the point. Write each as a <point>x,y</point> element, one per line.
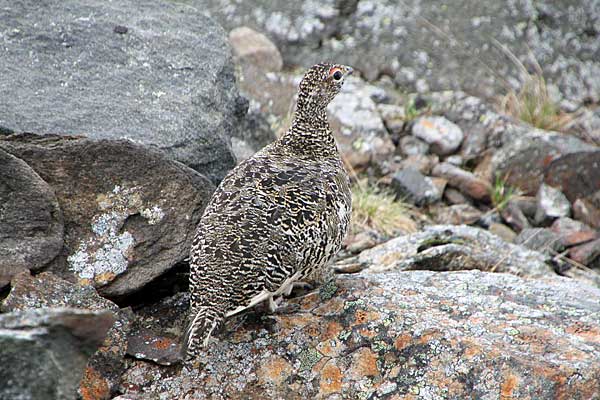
<point>359,130</point>
<point>417,334</point>
<point>551,204</point>
<point>31,222</point>
<point>449,248</point>
<point>157,73</point>
<point>129,212</point>
<point>423,45</point>
<point>44,351</point>
<point>444,136</point>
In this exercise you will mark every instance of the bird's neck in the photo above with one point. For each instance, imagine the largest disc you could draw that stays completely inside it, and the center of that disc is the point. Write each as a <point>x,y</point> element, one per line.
<point>310,134</point>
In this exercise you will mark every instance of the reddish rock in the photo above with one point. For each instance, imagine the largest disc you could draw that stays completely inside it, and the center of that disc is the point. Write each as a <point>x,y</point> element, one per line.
<point>585,211</point>
<point>573,232</point>
<point>255,48</point>
<point>577,175</point>
<point>513,215</point>
<point>585,254</point>
<point>463,180</point>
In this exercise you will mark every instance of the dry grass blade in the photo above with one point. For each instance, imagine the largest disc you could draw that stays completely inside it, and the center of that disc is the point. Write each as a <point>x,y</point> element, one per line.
<point>377,210</point>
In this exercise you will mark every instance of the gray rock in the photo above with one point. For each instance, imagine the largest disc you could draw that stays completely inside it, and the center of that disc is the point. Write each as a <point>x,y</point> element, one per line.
<point>48,290</point>
<point>572,232</point>
<point>31,222</point>
<point>422,163</point>
<point>130,213</point>
<point>445,137</point>
<point>454,197</point>
<point>514,216</point>
<point>543,240</point>
<point>502,231</point>
<point>413,187</point>
<point>456,214</point>
<point>587,254</point>
<point>255,48</point>
<point>360,133</point>
<point>44,351</point>
<point>454,247</point>
<point>159,74</point>
<point>586,211</point>
<point>393,117</point>
<point>575,174</point>
<point>439,334</point>
<point>421,44</point>
<point>412,146</point>
<point>551,204</point>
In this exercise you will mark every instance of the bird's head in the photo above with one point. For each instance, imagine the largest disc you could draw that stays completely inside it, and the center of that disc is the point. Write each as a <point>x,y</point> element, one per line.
<point>320,84</point>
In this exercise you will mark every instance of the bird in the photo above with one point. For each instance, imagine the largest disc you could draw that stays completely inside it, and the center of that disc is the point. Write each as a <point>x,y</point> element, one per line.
<point>275,220</point>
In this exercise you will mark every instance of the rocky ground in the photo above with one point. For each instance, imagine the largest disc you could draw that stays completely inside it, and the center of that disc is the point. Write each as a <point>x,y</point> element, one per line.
<point>117,122</point>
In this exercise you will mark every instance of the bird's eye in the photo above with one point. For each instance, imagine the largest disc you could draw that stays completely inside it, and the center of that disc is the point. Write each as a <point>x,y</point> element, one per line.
<point>337,75</point>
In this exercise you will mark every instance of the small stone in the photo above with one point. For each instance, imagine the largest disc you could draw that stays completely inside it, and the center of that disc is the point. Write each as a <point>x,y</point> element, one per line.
<point>255,48</point>
<point>454,160</point>
<point>454,196</point>
<point>458,214</point>
<point>572,232</point>
<point>551,204</point>
<point>585,211</point>
<point>393,118</point>
<point>514,216</point>
<point>585,254</point>
<point>413,187</point>
<point>465,181</point>
<point>412,146</point>
<point>540,239</point>
<point>503,231</point>
<point>420,162</point>
<point>120,29</point>
<point>444,136</point>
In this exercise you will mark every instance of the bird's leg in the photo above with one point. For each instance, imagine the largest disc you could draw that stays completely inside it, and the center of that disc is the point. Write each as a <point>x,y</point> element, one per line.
<point>273,304</point>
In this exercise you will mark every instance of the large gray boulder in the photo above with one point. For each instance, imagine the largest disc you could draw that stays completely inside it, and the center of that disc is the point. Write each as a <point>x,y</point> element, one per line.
<point>44,351</point>
<point>31,222</point>
<point>425,45</point>
<point>129,212</point>
<point>157,73</point>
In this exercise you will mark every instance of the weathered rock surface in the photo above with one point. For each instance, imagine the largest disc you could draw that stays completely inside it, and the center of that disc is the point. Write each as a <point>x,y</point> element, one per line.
<point>44,351</point>
<point>451,248</point>
<point>255,48</point>
<point>31,222</point>
<point>444,136</point>
<point>575,174</point>
<point>465,181</point>
<point>525,155</point>
<point>425,46</point>
<point>130,213</point>
<point>416,334</point>
<point>413,187</point>
<point>159,74</point>
<point>551,204</point>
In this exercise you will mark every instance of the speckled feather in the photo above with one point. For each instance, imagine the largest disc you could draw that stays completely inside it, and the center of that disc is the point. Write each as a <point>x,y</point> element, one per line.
<point>277,218</point>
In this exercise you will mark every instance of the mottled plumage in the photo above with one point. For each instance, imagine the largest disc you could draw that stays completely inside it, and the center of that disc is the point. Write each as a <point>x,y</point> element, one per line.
<point>276,219</point>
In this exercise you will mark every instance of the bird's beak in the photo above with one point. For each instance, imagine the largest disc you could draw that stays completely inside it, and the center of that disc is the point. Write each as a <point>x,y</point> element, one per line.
<point>348,70</point>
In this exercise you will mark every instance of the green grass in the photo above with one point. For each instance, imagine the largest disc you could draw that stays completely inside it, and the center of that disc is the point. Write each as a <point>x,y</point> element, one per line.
<point>501,193</point>
<point>376,209</point>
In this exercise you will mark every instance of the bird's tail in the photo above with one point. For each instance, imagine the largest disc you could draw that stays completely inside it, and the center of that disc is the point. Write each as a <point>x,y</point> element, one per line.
<point>204,323</point>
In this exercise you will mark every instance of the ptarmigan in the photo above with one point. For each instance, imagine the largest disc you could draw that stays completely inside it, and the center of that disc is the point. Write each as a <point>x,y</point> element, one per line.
<point>275,220</point>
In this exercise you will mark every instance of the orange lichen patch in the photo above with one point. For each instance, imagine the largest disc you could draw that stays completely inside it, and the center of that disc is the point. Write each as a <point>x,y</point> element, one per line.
<point>312,330</point>
<point>389,258</point>
<point>295,321</point>
<point>364,363</point>
<point>162,343</point>
<point>508,386</point>
<point>93,386</point>
<point>364,316</point>
<point>331,347</point>
<point>333,306</point>
<point>366,332</point>
<point>104,278</point>
<point>331,379</point>
<point>402,341</point>
<point>427,124</point>
<point>274,371</point>
<point>586,332</point>
<point>536,338</point>
<point>332,330</point>
<point>429,336</point>
<point>471,349</point>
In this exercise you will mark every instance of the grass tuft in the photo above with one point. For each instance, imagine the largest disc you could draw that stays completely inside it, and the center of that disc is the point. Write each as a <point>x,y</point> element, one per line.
<point>501,193</point>
<point>376,209</point>
<point>532,104</point>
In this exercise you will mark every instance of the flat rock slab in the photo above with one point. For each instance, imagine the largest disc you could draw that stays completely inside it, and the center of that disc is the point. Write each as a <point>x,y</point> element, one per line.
<point>418,334</point>
<point>130,213</point>
<point>157,73</point>
<point>44,351</point>
<point>31,222</point>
